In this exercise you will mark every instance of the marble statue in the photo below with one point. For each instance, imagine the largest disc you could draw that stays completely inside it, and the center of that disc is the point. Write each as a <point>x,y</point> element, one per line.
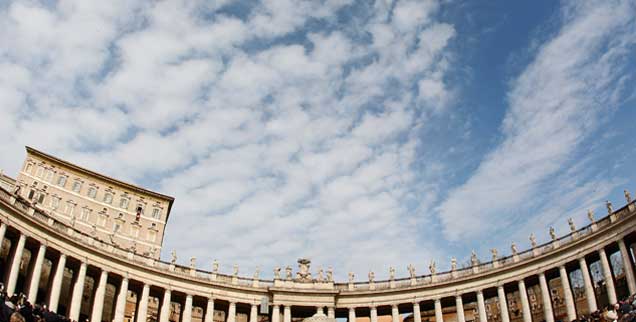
<point>513,248</point>
<point>330,274</point>
<point>351,277</point>
<point>473,258</point>
<point>391,273</point>
<point>193,262</point>
<point>288,272</point>
<point>453,263</point>
<point>571,223</point>
<point>552,233</point>
<point>236,270</point>
<point>494,254</point>
<point>431,267</point>
<point>321,276</point>
<point>628,196</point>
<point>215,266</point>
<point>277,273</point>
<point>411,270</point>
<point>303,273</point>
<point>371,276</point>
<point>590,215</point>
<point>608,204</point>
<point>173,259</point>
<point>257,272</point>
<point>533,240</point>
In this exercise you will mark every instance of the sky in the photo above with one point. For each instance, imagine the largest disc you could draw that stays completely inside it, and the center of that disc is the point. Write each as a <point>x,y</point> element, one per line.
<point>359,134</point>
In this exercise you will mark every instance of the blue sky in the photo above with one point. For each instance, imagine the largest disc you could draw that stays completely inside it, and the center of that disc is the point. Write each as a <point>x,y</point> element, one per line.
<point>362,135</point>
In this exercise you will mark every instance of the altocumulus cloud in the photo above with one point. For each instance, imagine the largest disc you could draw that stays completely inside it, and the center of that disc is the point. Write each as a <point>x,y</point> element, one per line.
<point>293,128</point>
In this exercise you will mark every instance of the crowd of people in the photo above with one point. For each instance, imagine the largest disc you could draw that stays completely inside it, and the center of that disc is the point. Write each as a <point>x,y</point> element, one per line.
<point>623,311</point>
<point>16,308</point>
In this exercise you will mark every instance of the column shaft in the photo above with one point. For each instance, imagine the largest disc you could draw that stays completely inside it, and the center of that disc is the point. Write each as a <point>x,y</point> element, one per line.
<point>15,265</point>
<point>286,314</point>
<point>374,314</point>
<point>120,307</point>
<point>590,295</point>
<point>627,266</point>
<point>231,312</point>
<point>164,315</point>
<point>34,285</point>
<point>254,313</point>
<point>481,307</point>
<point>209,311</point>
<point>607,275</point>
<point>545,295</point>
<point>3,230</point>
<point>187,309</point>
<point>56,286</point>
<point>98,302</point>
<point>525,304</point>
<point>417,314</point>
<point>352,314</point>
<point>503,304</point>
<point>567,294</point>
<point>459,306</point>
<point>439,314</point>
<point>331,313</point>
<point>395,314</point>
<point>276,313</point>
<point>78,292</point>
<point>142,312</point>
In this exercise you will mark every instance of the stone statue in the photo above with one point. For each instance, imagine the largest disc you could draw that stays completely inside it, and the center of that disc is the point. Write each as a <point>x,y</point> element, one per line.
<point>628,196</point>
<point>321,276</point>
<point>277,273</point>
<point>288,272</point>
<point>533,240</point>
<point>193,262</point>
<point>513,248</point>
<point>494,254</point>
<point>411,270</point>
<point>215,266</point>
<point>552,233</point>
<point>351,277</point>
<point>571,223</point>
<point>590,215</point>
<point>303,273</point>
<point>257,272</point>
<point>236,270</point>
<point>431,267</point>
<point>330,274</point>
<point>453,263</point>
<point>608,204</point>
<point>173,260</point>
<point>371,276</point>
<point>473,258</point>
<point>391,273</point>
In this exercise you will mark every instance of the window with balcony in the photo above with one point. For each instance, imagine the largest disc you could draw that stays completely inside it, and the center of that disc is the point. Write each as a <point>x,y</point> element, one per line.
<point>156,214</point>
<point>70,207</point>
<point>123,203</point>
<point>61,181</point>
<point>77,186</point>
<point>92,192</point>
<point>108,198</point>
<point>55,202</point>
<point>85,216</point>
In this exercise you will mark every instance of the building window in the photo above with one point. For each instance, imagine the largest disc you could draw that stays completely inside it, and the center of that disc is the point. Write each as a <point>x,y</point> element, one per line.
<point>116,227</point>
<point>152,236</point>
<point>28,168</point>
<point>61,181</point>
<point>77,186</point>
<point>102,220</point>
<point>39,172</point>
<point>156,214</point>
<point>70,207</point>
<point>123,203</point>
<point>41,198</point>
<point>48,175</point>
<point>92,192</point>
<point>31,194</point>
<point>85,214</point>
<point>108,198</point>
<point>135,231</point>
<point>55,202</point>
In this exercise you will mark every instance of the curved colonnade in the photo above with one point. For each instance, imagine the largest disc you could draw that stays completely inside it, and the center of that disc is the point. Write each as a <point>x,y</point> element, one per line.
<point>27,227</point>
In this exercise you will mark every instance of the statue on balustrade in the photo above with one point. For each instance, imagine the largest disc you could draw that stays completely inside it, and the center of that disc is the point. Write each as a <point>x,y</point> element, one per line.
<point>553,233</point>
<point>215,266</point>
<point>351,277</point>
<point>257,272</point>
<point>321,275</point>
<point>533,240</point>
<point>173,259</point>
<point>590,215</point>
<point>453,263</point>
<point>431,267</point>
<point>193,262</point>
<point>371,277</point>
<point>330,274</point>
<point>608,204</point>
<point>236,270</point>
<point>473,258</point>
<point>411,270</point>
<point>571,223</point>
<point>628,196</point>
<point>303,274</point>
<point>494,254</point>
<point>513,248</point>
<point>288,273</point>
<point>391,273</point>
<point>277,273</point>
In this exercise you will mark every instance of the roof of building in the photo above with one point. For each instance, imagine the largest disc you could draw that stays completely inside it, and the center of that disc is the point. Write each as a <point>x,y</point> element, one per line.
<point>106,178</point>
<point>6,178</point>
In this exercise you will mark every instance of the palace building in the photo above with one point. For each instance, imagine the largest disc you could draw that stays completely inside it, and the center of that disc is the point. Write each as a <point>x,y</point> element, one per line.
<point>88,247</point>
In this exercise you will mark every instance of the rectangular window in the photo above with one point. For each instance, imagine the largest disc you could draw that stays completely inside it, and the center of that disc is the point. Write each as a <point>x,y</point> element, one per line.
<point>102,221</point>
<point>152,236</point>
<point>77,186</point>
<point>85,214</point>
<point>123,203</point>
<point>55,202</point>
<point>134,232</point>
<point>116,227</point>
<point>108,198</point>
<point>28,168</point>
<point>156,214</point>
<point>48,175</point>
<point>61,181</point>
<point>41,198</point>
<point>39,172</point>
<point>31,194</point>
<point>70,207</point>
<point>92,192</point>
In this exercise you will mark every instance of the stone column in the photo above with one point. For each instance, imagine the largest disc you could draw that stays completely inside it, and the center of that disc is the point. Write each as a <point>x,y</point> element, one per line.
<point>395,313</point>
<point>15,265</point>
<point>373,314</point>
<point>187,310</point>
<point>567,294</point>
<point>34,285</point>
<point>286,314</point>
<point>459,306</point>
<point>142,312</point>
<point>590,295</point>
<point>417,315</point>
<point>120,304</point>
<point>3,230</point>
<point>78,292</point>
<point>56,286</point>
<point>164,315</point>
<point>319,310</point>
<point>607,275</point>
<point>627,266</point>
<point>276,313</point>
<point>209,311</point>
<point>439,314</point>
<point>331,313</point>
<point>98,302</point>
<point>481,306</point>
<point>503,304</point>
<point>352,314</point>
<point>545,295</point>
<point>525,304</point>
<point>231,313</point>
<point>254,313</point>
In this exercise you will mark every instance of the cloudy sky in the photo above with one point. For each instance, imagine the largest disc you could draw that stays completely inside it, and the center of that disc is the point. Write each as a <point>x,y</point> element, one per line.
<point>362,134</point>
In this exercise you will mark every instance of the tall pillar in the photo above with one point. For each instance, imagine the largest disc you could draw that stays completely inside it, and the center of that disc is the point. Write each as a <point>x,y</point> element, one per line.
<point>331,312</point>
<point>607,275</point>
<point>590,295</point>
<point>78,292</point>
<point>276,313</point>
<point>15,265</point>
<point>627,266</point>
<point>56,286</point>
<point>98,302</point>
<point>352,314</point>
<point>3,230</point>
<point>286,314</point>
<point>120,306</point>
<point>545,295</point>
<point>481,306</point>
<point>439,315</point>
<point>567,294</point>
<point>231,313</point>
<point>254,313</point>
<point>209,311</point>
<point>164,315</point>
<point>395,313</point>
<point>525,304</point>
<point>374,314</point>
<point>34,285</point>
<point>459,306</point>
<point>187,310</point>
<point>142,312</point>
<point>503,304</point>
<point>417,315</point>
